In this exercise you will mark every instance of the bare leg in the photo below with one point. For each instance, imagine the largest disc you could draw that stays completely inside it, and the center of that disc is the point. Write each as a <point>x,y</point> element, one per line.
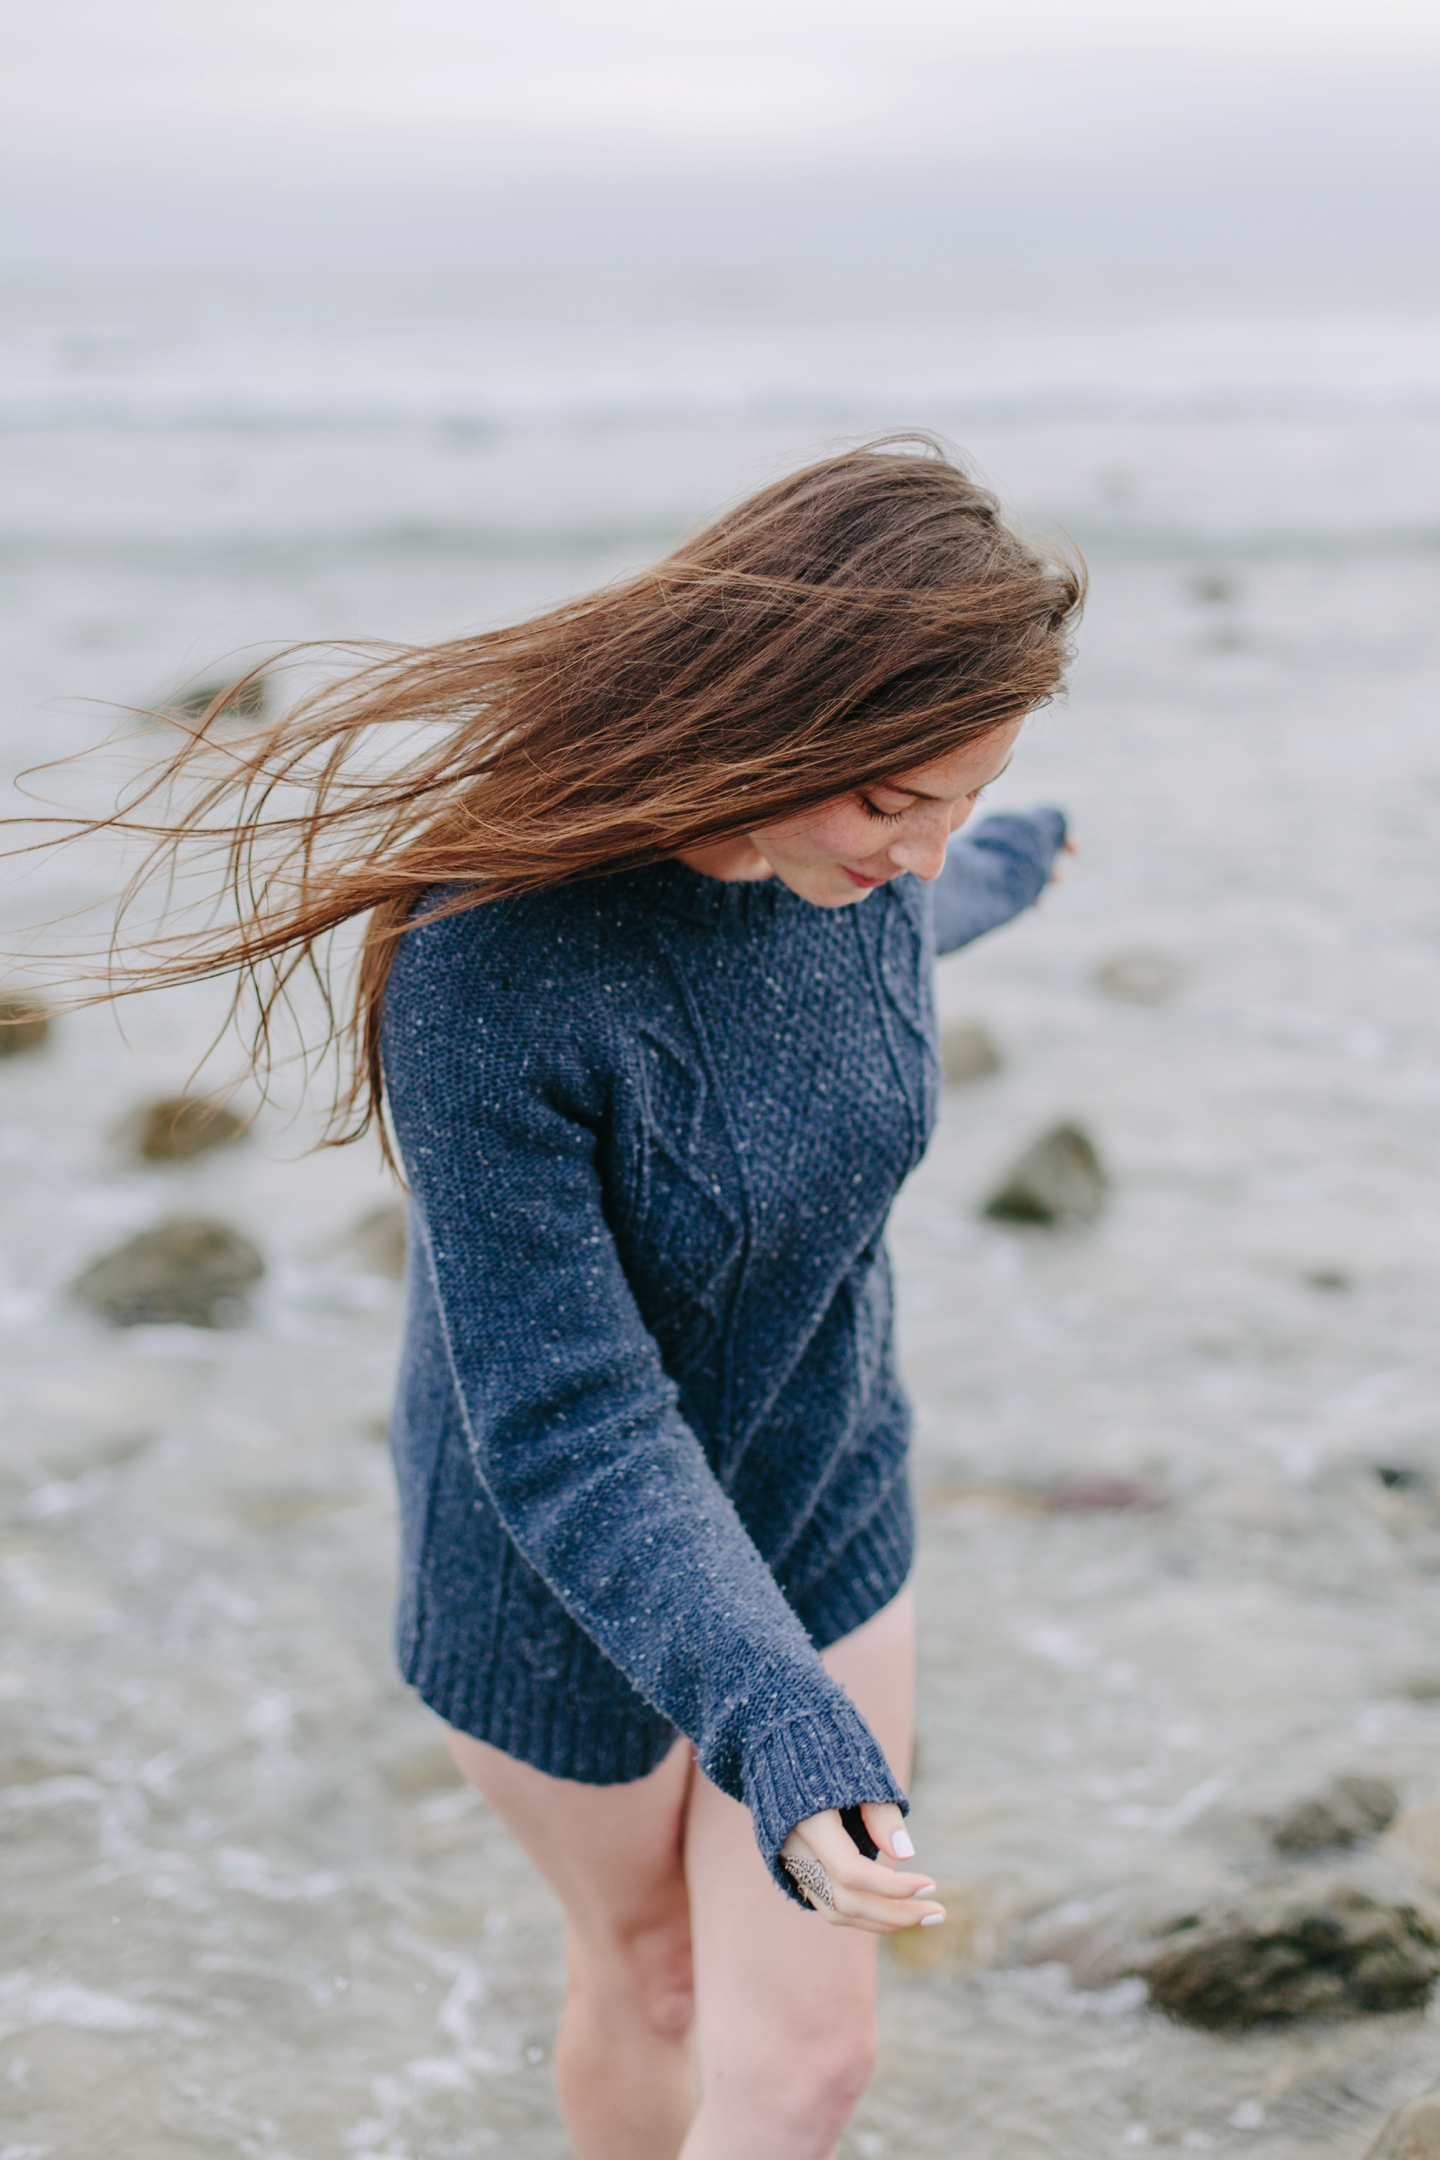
<point>624,2061</point>
<point>786,2004</point>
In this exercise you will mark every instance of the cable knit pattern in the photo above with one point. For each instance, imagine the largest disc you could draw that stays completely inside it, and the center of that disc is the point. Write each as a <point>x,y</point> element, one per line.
<point>649,1435</point>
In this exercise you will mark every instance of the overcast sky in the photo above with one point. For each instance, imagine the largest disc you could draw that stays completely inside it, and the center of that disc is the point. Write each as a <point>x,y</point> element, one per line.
<point>135,127</point>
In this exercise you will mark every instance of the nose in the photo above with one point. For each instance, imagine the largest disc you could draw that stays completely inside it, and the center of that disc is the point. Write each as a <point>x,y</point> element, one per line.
<point>922,854</point>
<point>922,851</point>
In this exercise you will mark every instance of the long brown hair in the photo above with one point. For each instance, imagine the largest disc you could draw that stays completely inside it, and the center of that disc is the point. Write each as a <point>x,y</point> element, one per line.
<point>861,617</point>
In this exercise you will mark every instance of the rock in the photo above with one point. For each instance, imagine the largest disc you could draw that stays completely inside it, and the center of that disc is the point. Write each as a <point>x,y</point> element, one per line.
<point>1401,1477</point>
<point>1350,1808</point>
<point>967,1052</point>
<point>1413,2133</point>
<point>24,1023</point>
<point>967,1492</point>
<point>1109,1938</point>
<point>1058,1177</point>
<point>1139,978</point>
<point>193,1271</point>
<point>1079,1495</point>
<point>377,1241</point>
<point>976,1915</point>
<point>1330,1954</point>
<point>181,1126</point>
<point>249,705</point>
<point>1213,588</point>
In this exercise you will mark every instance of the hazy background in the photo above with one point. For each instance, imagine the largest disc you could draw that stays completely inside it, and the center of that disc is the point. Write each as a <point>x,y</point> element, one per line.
<point>1278,137</point>
<point>323,320</point>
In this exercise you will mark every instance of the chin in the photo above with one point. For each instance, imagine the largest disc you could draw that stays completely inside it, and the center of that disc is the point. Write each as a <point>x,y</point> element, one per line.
<point>827,888</point>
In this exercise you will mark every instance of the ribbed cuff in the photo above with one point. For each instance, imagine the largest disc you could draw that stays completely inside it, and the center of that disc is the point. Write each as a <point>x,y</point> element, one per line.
<point>807,1765</point>
<point>1053,824</point>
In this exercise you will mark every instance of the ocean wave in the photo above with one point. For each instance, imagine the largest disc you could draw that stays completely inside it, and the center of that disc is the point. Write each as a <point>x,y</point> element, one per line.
<point>501,405</point>
<point>241,553</point>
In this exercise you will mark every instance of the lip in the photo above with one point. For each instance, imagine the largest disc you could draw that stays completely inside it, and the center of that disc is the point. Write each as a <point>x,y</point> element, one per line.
<point>866,884</point>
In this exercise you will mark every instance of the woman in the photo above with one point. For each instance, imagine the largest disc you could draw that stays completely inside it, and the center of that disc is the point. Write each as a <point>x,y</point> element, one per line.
<point>646,986</point>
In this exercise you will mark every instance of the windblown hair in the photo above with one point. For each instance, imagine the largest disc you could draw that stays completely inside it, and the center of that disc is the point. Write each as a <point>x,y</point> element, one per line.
<point>859,618</point>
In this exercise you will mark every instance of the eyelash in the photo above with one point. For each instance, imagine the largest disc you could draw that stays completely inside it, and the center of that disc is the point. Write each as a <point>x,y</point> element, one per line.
<point>893,817</point>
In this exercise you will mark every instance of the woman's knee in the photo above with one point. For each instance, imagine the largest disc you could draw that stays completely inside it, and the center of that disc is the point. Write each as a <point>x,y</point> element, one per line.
<point>803,2088</point>
<point>636,1975</point>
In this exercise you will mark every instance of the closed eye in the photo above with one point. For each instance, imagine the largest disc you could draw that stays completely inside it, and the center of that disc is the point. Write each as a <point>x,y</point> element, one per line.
<point>886,817</point>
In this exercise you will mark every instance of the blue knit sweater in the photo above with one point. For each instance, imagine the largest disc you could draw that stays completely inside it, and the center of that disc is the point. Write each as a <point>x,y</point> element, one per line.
<point>649,1435</point>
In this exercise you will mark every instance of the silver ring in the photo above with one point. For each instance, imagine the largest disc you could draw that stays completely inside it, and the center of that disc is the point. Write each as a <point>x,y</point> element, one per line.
<point>812,1879</point>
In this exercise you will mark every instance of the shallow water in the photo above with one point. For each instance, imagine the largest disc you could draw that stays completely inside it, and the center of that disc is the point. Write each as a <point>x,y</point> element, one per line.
<point>250,1912</point>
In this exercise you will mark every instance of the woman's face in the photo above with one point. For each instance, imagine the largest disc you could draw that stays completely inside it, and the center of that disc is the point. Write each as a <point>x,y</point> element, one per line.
<point>845,849</point>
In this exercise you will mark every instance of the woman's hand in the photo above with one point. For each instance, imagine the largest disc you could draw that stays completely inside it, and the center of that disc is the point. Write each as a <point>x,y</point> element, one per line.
<point>863,1893</point>
<point>1057,868</point>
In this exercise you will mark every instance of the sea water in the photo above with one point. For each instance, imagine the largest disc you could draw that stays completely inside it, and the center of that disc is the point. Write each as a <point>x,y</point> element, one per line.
<point>249,1909</point>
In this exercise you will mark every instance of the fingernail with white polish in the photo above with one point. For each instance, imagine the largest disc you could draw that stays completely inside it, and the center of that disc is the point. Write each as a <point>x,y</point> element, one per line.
<point>902,1846</point>
<point>932,1919</point>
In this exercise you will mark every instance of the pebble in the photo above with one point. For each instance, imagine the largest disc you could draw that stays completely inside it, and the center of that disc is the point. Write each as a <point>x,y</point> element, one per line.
<point>968,1052</point>
<point>1213,588</point>
<point>24,1024</point>
<point>1349,1809</point>
<point>191,1271</point>
<point>1402,1477</point>
<point>1079,1495</point>
<point>181,1126</point>
<point>1334,1953</point>
<point>971,1934</point>
<point>1139,978</point>
<point>249,706</point>
<point>1413,2133</point>
<point>1059,1177</point>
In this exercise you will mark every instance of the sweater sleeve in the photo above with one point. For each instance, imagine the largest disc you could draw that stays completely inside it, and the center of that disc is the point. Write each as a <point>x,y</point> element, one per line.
<point>994,873</point>
<point>573,1424</point>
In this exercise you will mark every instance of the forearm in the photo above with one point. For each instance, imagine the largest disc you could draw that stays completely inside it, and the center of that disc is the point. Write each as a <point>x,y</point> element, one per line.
<point>606,1494</point>
<point>994,874</point>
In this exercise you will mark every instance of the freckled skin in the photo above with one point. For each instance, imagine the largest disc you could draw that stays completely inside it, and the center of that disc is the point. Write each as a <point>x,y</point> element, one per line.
<point>833,856</point>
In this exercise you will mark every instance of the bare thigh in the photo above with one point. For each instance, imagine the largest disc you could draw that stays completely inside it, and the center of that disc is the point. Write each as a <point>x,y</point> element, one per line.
<point>611,1853</point>
<point>768,1974</point>
<point>663,1886</point>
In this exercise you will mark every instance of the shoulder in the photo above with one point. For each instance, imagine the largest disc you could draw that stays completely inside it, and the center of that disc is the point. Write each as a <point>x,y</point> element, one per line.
<point>479,940</point>
<point>535,982</point>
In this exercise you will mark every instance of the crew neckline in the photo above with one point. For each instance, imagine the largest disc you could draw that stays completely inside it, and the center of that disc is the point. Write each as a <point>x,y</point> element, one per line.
<point>674,886</point>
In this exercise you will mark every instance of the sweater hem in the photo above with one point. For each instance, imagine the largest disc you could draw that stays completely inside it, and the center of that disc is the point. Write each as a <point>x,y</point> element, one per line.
<point>537,1722</point>
<point>867,1574</point>
<point>543,1720</point>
